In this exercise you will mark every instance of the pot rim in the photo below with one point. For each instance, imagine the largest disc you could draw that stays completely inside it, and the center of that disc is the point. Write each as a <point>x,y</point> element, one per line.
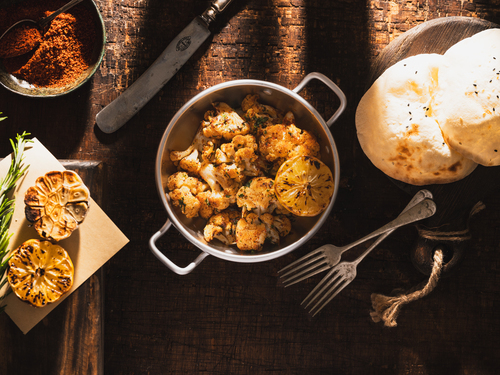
<point>255,257</point>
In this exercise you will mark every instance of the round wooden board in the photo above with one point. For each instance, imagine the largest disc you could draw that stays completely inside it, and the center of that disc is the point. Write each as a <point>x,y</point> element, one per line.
<point>448,228</point>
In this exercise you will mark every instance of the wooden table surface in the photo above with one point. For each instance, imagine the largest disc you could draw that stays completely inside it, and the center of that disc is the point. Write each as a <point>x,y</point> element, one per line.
<point>233,318</point>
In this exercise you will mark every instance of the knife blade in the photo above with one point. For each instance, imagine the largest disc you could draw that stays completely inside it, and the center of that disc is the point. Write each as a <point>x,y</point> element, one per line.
<point>119,111</point>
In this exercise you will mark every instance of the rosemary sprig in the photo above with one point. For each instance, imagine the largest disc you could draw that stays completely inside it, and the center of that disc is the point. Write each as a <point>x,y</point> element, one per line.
<point>15,172</point>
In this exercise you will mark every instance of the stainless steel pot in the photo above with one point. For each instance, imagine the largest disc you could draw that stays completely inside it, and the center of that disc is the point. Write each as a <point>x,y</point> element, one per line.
<point>180,132</point>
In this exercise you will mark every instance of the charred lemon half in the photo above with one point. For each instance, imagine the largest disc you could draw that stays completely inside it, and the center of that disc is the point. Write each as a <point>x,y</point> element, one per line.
<point>40,272</point>
<point>304,185</point>
<point>57,204</point>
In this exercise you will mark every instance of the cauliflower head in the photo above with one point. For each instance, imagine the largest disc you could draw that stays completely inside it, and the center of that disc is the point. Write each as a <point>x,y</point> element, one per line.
<point>259,116</point>
<point>258,196</point>
<point>183,193</point>
<point>276,227</point>
<point>281,142</point>
<point>201,150</point>
<point>252,230</point>
<point>224,122</point>
<point>251,233</point>
<point>222,226</point>
<point>224,182</point>
<point>243,152</point>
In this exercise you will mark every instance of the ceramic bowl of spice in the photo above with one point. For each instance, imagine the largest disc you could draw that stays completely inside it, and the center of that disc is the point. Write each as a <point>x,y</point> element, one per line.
<point>70,51</point>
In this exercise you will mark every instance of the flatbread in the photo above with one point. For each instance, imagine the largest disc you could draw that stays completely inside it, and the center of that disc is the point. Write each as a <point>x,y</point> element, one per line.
<point>467,105</point>
<point>397,129</point>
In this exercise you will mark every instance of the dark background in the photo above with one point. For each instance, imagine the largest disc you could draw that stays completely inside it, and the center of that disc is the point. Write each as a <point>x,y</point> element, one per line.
<point>231,318</point>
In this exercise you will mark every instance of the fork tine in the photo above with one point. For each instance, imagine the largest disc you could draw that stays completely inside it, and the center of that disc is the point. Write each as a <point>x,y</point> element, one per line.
<point>312,271</point>
<point>330,278</point>
<point>340,286</point>
<point>317,258</point>
<point>319,250</point>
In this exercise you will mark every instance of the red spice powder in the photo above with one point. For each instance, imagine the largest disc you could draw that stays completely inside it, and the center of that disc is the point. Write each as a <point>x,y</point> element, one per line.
<point>19,40</point>
<point>65,51</point>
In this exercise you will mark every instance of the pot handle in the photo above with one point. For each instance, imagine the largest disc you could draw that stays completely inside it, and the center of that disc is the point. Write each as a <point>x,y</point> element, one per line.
<point>167,262</point>
<point>327,81</point>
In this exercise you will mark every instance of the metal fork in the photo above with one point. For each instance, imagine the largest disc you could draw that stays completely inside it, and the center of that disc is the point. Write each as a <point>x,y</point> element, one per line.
<point>343,273</point>
<point>327,256</point>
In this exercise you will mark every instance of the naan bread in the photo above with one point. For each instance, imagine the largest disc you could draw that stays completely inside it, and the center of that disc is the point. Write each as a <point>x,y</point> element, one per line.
<point>468,103</point>
<point>397,129</point>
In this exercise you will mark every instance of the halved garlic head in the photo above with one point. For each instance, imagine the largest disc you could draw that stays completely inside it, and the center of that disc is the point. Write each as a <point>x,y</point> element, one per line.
<point>57,204</point>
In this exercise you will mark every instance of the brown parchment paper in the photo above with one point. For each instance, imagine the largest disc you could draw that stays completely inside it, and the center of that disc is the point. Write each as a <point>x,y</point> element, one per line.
<point>95,241</point>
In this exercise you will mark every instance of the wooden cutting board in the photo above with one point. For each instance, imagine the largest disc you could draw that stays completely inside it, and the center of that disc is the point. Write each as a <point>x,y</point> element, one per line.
<point>448,228</point>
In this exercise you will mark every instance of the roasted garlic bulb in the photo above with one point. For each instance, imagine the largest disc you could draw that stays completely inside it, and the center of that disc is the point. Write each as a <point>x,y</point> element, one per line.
<point>57,204</point>
<point>40,272</point>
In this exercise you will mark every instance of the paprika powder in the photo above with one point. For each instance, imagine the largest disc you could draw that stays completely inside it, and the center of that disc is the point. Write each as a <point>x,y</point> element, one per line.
<point>20,40</point>
<point>65,51</point>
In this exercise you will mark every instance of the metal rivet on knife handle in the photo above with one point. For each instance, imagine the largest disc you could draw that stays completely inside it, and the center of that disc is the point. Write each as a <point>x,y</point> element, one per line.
<point>181,48</point>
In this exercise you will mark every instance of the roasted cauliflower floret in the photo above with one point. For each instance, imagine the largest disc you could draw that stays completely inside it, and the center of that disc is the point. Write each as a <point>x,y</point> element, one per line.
<point>183,191</point>
<point>276,227</point>
<point>201,150</point>
<point>258,115</point>
<point>242,151</point>
<point>188,203</point>
<point>282,224</point>
<point>250,233</point>
<point>224,122</point>
<point>281,142</point>
<point>258,196</point>
<point>252,230</point>
<point>222,190</point>
<point>223,178</point>
<point>222,226</point>
<point>180,179</point>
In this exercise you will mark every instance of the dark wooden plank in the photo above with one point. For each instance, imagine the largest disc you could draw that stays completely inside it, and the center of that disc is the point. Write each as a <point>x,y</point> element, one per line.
<point>70,339</point>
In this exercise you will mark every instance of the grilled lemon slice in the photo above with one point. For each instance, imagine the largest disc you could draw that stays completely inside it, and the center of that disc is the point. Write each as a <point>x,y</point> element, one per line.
<point>304,185</point>
<point>40,272</point>
<point>57,204</point>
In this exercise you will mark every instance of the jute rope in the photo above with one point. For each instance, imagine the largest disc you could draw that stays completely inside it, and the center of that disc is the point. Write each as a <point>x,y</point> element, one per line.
<point>387,308</point>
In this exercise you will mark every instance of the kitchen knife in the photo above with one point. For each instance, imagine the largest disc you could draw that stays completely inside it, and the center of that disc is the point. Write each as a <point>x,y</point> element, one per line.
<point>119,111</point>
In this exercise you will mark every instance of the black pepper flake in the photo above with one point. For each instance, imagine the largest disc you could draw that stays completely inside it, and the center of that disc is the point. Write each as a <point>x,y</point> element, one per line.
<point>495,150</point>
